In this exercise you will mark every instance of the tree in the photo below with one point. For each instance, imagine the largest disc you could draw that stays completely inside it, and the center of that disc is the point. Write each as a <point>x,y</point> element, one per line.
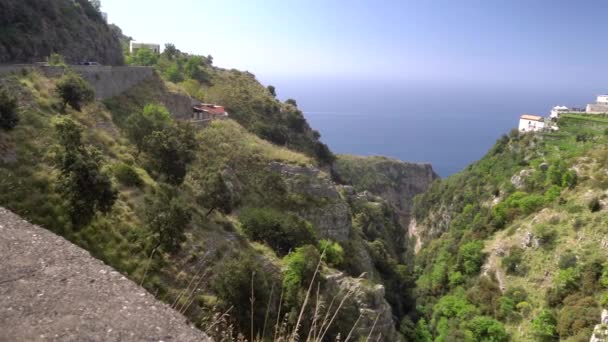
<point>167,218</point>
<point>282,232</point>
<point>193,68</point>
<point>74,91</point>
<point>170,51</point>
<point>84,186</point>
<point>144,57</point>
<point>272,90</point>
<point>173,73</point>
<point>543,326</point>
<point>215,194</point>
<point>171,150</point>
<point>301,266</point>
<point>487,329</point>
<point>140,125</point>
<point>292,102</point>
<point>422,333</point>
<point>471,256</point>
<point>8,110</point>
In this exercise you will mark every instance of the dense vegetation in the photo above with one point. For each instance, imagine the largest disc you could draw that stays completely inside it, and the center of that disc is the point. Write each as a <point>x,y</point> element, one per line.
<point>509,239</point>
<point>246,100</point>
<point>30,30</point>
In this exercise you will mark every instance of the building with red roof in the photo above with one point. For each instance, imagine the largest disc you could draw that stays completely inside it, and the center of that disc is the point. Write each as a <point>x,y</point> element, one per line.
<point>207,112</point>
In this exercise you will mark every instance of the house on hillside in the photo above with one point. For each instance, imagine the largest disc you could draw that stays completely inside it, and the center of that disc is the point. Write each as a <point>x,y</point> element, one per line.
<point>557,110</point>
<point>531,123</point>
<point>207,112</point>
<point>599,107</point>
<point>134,46</point>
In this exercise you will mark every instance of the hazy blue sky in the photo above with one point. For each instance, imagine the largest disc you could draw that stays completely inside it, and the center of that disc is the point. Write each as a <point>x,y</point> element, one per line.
<point>479,41</point>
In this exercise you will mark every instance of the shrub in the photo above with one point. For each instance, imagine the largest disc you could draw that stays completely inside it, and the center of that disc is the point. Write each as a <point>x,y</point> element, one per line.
<point>140,125</point>
<point>301,266</point>
<point>55,59</point>
<point>594,205</point>
<point>282,232</point>
<point>74,91</point>
<point>8,110</point>
<point>334,253</point>
<point>578,313</point>
<point>86,188</point>
<point>567,260</point>
<point>487,329</point>
<point>513,263</point>
<point>126,175</point>
<point>167,218</point>
<point>544,326</point>
<point>215,194</point>
<point>471,256</point>
<point>171,151</point>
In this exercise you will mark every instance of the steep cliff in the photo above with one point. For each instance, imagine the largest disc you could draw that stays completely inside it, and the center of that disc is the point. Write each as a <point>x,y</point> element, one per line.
<point>33,29</point>
<point>395,181</point>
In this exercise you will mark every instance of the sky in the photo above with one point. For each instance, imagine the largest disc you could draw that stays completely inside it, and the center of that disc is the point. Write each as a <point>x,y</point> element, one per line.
<point>527,43</point>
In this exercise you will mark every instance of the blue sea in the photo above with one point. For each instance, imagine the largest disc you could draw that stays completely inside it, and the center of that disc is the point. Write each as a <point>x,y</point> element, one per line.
<point>449,126</point>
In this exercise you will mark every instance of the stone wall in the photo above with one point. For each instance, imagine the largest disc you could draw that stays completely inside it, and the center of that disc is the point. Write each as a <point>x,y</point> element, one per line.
<point>108,81</point>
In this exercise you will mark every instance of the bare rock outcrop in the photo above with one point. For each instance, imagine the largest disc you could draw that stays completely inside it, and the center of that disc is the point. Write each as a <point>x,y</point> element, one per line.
<point>52,290</point>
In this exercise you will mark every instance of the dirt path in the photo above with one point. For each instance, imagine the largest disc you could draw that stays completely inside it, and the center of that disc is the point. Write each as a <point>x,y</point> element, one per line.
<point>52,290</point>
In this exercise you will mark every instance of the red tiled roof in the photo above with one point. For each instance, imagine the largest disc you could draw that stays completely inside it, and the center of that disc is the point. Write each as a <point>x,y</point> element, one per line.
<point>210,109</point>
<point>531,117</point>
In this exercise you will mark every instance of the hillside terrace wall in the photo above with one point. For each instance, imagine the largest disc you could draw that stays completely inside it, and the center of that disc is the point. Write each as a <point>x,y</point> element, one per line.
<point>108,81</point>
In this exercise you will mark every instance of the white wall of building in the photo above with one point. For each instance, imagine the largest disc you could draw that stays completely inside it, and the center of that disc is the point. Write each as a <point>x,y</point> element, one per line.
<point>134,46</point>
<point>526,125</point>
<point>603,99</point>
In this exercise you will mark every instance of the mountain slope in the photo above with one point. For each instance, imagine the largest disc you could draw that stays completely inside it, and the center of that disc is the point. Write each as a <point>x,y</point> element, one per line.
<point>30,30</point>
<point>517,239</point>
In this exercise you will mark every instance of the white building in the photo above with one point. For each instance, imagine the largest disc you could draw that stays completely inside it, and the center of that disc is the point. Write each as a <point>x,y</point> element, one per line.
<point>531,123</point>
<point>557,110</point>
<point>134,46</point>
<point>602,99</point>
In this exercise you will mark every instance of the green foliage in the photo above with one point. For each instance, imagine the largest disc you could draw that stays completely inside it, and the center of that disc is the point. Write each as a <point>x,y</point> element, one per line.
<point>171,151</point>
<point>544,326</point>
<point>143,57</point>
<point>233,285</point>
<point>301,266</point>
<point>567,260</point>
<point>334,253</point>
<point>74,91</point>
<point>422,333</point>
<point>173,73</point>
<point>579,313</point>
<point>8,110</point>
<point>471,257</point>
<point>454,306</point>
<point>84,186</point>
<point>487,329</point>
<point>167,217</point>
<point>272,90</point>
<point>140,125</point>
<point>170,51</point>
<point>214,193</point>
<point>126,175</point>
<point>56,59</point>
<point>513,262</point>
<point>282,232</point>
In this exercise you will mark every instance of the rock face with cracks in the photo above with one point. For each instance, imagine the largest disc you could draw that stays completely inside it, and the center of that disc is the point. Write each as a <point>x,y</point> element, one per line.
<point>52,290</point>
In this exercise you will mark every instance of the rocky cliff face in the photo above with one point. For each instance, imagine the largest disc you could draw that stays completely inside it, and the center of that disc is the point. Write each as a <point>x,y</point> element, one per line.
<point>395,181</point>
<point>33,29</point>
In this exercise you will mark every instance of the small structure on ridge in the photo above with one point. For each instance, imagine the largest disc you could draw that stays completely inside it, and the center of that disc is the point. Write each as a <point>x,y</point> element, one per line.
<point>531,123</point>
<point>599,107</point>
<point>207,112</point>
<point>134,46</point>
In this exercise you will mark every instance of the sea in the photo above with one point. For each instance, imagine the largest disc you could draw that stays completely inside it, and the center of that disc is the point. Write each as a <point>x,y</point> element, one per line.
<point>448,126</point>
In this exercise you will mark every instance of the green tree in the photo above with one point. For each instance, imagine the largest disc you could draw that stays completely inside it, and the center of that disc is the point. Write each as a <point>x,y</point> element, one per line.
<point>170,51</point>
<point>215,194</point>
<point>487,329</point>
<point>193,68</point>
<point>140,125</point>
<point>301,266</point>
<point>56,59</point>
<point>422,333</point>
<point>8,110</point>
<point>282,232</point>
<point>171,151</point>
<point>471,257</point>
<point>334,253</point>
<point>544,326</point>
<point>144,57</point>
<point>74,91</point>
<point>167,218</point>
<point>84,186</point>
<point>173,73</point>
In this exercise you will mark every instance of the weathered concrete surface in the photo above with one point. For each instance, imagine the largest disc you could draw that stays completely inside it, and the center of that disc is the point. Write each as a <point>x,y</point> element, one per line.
<point>52,290</point>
